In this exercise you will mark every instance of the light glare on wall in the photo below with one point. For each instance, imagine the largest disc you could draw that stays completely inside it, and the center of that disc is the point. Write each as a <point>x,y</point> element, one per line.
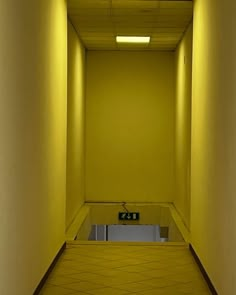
<point>132,39</point>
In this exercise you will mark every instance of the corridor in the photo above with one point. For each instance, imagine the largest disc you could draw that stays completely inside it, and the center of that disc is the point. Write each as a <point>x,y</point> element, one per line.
<point>98,268</point>
<point>112,107</point>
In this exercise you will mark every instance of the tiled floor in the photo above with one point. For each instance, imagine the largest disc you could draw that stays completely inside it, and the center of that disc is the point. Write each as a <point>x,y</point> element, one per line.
<point>120,269</point>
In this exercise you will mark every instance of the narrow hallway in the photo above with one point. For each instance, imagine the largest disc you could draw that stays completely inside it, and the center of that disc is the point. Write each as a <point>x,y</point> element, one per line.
<point>117,112</point>
<point>126,268</point>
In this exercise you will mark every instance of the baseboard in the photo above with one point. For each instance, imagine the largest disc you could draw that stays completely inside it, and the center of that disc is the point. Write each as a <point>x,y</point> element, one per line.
<point>44,279</point>
<point>203,271</point>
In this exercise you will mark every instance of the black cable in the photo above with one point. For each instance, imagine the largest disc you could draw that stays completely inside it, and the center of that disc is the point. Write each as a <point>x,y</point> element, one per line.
<point>123,205</point>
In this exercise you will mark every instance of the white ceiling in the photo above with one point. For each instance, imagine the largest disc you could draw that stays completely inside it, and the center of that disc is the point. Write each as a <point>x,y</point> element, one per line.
<point>98,22</point>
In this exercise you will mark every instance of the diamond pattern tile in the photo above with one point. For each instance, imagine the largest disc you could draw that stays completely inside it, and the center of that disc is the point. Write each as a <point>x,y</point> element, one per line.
<point>120,269</point>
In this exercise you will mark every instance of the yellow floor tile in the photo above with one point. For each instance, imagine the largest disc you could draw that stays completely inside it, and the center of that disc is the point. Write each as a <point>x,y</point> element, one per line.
<point>120,269</point>
<point>108,291</point>
<point>60,280</point>
<point>83,286</point>
<point>135,287</point>
<point>55,290</point>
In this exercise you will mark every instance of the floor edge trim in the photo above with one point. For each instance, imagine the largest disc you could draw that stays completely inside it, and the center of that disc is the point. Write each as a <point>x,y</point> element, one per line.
<point>52,265</point>
<point>203,271</point>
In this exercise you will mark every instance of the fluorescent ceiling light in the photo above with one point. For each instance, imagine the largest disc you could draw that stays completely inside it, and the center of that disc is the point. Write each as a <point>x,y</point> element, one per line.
<point>132,39</point>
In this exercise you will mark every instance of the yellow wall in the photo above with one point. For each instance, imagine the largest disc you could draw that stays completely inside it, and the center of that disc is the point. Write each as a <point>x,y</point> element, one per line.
<point>183,59</point>
<point>75,128</point>
<point>130,126</point>
<point>32,140</point>
<point>213,218</point>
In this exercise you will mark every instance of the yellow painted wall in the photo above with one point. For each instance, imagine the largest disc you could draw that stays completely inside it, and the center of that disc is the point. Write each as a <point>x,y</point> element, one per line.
<point>75,128</point>
<point>213,172</point>
<point>183,59</point>
<point>130,126</point>
<point>32,140</point>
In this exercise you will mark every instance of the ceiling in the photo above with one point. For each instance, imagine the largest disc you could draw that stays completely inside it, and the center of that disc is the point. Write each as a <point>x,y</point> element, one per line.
<point>98,22</point>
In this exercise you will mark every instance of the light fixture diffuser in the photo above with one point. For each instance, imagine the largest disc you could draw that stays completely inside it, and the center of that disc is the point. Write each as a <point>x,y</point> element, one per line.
<point>132,39</point>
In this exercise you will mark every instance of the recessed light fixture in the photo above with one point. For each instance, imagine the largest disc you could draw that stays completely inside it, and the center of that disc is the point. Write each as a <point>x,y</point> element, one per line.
<point>132,39</point>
